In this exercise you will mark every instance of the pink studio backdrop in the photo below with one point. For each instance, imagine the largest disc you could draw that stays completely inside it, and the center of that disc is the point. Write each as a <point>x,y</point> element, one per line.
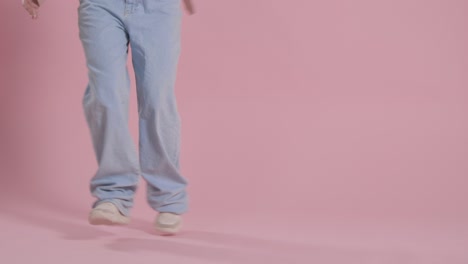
<point>319,108</point>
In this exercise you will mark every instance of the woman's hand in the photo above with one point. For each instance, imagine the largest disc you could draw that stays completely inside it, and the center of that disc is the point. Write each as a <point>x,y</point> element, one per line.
<point>189,6</point>
<point>32,6</point>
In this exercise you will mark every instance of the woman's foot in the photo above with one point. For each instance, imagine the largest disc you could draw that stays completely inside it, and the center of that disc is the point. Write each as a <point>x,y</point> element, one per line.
<point>107,214</point>
<point>168,223</point>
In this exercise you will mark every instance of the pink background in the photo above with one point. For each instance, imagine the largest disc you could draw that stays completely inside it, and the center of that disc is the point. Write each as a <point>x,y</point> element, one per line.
<point>292,111</point>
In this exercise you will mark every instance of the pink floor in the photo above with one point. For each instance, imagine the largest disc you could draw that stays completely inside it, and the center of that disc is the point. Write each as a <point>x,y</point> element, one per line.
<point>38,233</point>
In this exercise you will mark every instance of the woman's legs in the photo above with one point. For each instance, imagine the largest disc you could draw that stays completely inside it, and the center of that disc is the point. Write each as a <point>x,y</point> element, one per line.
<point>152,27</point>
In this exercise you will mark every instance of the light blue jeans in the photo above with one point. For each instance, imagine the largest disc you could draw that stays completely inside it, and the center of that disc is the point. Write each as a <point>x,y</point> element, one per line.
<point>152,29</point>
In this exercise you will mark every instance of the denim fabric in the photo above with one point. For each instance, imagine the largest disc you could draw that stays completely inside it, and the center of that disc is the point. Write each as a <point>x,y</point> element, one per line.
<point>152,30</point>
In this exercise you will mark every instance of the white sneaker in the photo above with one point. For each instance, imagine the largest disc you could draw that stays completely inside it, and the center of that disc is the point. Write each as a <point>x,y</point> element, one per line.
<point>107,214</point>
<point>168,223</point>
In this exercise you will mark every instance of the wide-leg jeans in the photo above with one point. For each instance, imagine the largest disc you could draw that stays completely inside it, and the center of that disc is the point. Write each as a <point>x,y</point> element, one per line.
<point>152,30</point>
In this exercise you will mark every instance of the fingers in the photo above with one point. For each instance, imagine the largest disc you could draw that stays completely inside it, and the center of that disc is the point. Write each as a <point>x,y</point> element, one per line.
<point>189,6</point>
<point>32,12</point>
<point>32,8</point>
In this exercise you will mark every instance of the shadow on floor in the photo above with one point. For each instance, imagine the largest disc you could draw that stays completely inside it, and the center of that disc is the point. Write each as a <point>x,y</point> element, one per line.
<point>43,217</point>
<point>201,245</point>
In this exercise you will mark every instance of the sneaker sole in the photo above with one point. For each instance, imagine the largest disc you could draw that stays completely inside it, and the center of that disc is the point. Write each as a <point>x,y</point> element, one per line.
<point>102,218</point>
<point>168,230</point>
